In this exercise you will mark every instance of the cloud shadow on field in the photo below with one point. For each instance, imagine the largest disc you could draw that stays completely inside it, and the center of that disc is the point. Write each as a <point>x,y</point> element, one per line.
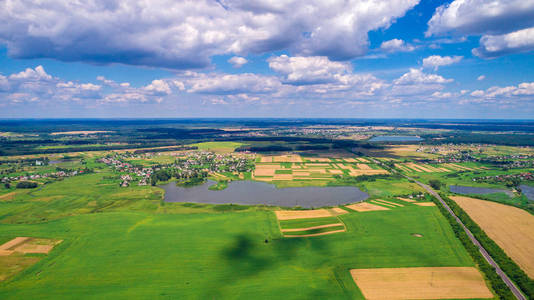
<point>243,255</point>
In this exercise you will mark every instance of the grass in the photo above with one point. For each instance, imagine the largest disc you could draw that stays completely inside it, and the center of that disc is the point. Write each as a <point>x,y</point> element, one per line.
<point>283,172</point>
<point>220,147</point>
<point>315,231</point>
<point>304,223</point>
<point>220,185</point>
<point>206,255</point>
<point>122,243</point>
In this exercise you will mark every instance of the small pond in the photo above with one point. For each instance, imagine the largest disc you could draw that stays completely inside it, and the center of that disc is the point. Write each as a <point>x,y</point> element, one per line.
<point>528,191</point>
<point>395,138</point>
<point>459,189</point>
<point>253,192</point>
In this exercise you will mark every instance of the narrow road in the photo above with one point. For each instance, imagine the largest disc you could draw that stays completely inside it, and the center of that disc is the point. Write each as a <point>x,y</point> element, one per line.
<point>515,290</point>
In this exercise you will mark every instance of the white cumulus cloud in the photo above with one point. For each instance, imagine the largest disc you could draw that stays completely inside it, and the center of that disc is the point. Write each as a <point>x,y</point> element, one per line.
<point>474,17</point>
<point>186,34</point>
<point>396,45</point>
<point>308,70</point>
<point>238,61</point>
<point>497,45</point>
<point>436,61</point>
<point>417,76</point>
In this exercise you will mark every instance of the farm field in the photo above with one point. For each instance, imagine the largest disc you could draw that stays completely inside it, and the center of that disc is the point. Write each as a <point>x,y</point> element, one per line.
<point>297,168</point>
<point>510,227</point>
<point>97,224</point>
<point>181,265</point>
<point>421,283</point>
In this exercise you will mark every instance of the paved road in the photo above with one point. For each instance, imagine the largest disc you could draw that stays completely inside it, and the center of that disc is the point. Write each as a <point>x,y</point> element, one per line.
<point>515,290</point>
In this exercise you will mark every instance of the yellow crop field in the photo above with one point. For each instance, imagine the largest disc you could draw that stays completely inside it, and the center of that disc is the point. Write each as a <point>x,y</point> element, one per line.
<point>510,227</point>
<point>421,283</point>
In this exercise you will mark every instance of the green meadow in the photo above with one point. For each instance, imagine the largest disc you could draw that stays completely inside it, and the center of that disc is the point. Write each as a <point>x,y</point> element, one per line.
<point>147,250</point>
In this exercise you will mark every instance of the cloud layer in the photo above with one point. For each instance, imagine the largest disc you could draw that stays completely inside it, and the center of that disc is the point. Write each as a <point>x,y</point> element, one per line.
<point>475,17</point>
<point>506,26</point>
<point>185,34</point>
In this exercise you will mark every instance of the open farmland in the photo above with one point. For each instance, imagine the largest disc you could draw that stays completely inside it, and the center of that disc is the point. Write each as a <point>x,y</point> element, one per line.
<point>510,227</point>
<point>295,168</point>
<point>124,235</point>
<point>421,283</point>
<point>187,267</point>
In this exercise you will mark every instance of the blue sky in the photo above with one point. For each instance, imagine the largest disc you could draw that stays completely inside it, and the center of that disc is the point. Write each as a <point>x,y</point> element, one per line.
<point>237,58</point>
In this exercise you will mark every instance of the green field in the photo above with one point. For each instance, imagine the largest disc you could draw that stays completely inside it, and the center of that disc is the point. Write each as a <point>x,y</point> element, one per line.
<point>206,255</point>
<point>224,147</point>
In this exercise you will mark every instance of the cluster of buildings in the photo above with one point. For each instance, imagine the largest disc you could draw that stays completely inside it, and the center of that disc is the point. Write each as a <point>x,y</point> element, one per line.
<point>187,165</point>
<point>506,177</point>
<point>59,174</point>
<point>118,165</point>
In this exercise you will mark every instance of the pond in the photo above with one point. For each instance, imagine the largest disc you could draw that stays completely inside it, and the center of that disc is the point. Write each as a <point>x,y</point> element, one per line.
<point>528,191</point>
<point>253,192</point>
<point>395,138</point>
<point>459,189</point>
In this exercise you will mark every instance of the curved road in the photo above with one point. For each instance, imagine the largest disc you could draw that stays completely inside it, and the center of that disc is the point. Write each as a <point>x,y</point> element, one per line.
<point>515,290</point>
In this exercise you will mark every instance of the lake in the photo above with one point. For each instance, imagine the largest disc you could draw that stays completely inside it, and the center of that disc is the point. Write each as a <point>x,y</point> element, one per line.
<point>528,191</point>
<point>253,192</point>
<point>459,189</point>
<point>395,138</point>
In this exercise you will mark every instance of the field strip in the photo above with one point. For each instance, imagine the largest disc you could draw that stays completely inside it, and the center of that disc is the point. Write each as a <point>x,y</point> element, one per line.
<point>414,167</point>
<point>425,168</point>
<point>451,167</point>
<point>434,168</point>
<point>8,195</point>
<point>421,283</point>
<point>402,168</point>
<point>419,168</point>
<point>510,227</point>
<point>315,234</point>
<point>363,167</point>
<point>302,214</point>
<point>313,227</point>
<point>406,199</point>
<point>366,206</point>
<point>463,167</point>
<point>266,159</point>
<point>385,204</point>
<point>14,242</point>
<point>336,211</point>
<point>425,203</point>
<point>389,202</point>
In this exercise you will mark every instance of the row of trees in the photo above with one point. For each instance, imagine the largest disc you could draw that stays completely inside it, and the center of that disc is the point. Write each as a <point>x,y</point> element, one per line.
<point>184,178</point>
<point>489,272</point>
<point>505,262</point>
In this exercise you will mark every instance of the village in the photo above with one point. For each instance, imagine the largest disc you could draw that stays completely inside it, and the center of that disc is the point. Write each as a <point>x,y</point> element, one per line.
<point>190,164</point>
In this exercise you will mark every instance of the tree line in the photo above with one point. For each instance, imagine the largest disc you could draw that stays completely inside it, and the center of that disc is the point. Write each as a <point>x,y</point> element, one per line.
<point>503,260</point>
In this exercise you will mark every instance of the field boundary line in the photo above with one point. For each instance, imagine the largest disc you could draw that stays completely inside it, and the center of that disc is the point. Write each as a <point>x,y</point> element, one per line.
<point>315,234</point>
<point>313,227</point>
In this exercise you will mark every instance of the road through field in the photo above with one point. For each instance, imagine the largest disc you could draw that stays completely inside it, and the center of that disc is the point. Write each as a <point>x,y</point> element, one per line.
<point>515,290</point>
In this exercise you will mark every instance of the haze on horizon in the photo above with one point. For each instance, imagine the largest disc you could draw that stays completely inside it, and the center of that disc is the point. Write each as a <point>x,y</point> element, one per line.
<point>235,58</point>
